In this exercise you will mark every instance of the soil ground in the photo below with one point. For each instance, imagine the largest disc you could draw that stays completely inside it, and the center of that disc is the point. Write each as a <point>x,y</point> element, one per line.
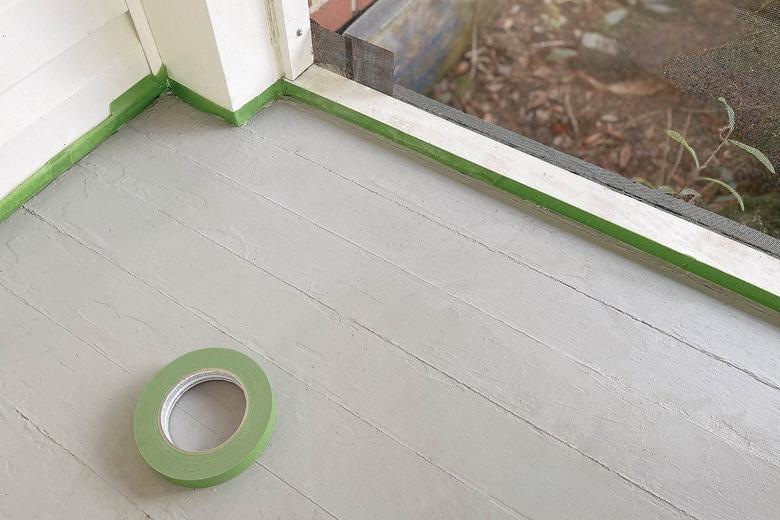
<point>587,77</point>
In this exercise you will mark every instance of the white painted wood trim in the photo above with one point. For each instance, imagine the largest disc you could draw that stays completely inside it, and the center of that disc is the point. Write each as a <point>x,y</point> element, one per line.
<point>224,51</point>
<point>67,88</point>
<point>708,247</point>
<point>145,35</point>
<point>35,32</point>
<point>185,39</point>
<point>74,116</point>
<point>244,35</point>
<point>62,78</point>
<point>293,35</point>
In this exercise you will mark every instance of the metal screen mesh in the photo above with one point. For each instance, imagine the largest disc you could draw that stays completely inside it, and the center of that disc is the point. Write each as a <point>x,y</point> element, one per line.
<point>746,70</point>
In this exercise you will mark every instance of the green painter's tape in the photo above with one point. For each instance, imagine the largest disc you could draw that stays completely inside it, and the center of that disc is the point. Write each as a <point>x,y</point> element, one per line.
<point>143,93</point>
<point>122,109</point>
<point>204,468</point>
<point>739,286</point>
<point>237,118</point>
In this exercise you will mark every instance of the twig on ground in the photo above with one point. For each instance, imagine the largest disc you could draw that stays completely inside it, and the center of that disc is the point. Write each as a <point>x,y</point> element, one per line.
<point>553,43</point>
<point>699,111</point>
<point>641,117</point>
<point>667,144</point>
<point>570,112</point>
<point>474,53</point>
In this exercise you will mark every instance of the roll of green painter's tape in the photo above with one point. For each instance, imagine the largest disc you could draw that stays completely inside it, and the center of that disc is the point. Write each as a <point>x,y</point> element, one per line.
<point>216,465</point>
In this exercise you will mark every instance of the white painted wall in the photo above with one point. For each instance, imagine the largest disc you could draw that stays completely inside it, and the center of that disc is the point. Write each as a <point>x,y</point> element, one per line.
<point>185,39</point>
<point>61,63</point>
<point>245,43</point>
<point>230,52</point>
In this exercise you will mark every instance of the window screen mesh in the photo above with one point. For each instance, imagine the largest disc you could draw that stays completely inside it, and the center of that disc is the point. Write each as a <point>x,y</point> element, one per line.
<point>605,80</point>
<point>744,68</point>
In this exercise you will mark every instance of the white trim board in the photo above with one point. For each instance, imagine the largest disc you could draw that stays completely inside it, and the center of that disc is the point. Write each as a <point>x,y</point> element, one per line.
<point>60,101</point>
<point>38,142</point>
<point>145,35</point>
<point>35,32</point>
<point>293,33</point>
<point>63,77</point>
<point>686,238</point>
<point>187,45</point>
<point>226,52</point>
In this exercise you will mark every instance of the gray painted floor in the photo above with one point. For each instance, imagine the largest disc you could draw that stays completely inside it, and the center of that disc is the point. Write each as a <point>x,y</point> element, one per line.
<point>436,349</point>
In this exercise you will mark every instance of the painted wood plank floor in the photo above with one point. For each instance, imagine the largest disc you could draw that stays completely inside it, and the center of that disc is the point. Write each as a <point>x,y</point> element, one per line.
<point>437,349</point>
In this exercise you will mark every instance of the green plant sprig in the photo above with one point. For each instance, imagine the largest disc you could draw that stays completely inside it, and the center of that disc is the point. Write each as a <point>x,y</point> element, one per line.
<point>725,140</point>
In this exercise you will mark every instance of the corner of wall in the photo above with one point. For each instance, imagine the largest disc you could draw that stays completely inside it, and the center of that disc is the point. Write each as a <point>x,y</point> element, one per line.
<point>238,117</point>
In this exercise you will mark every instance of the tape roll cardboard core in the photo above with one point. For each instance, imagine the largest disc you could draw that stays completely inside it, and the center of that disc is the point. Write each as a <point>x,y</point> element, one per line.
<point>185,386</point>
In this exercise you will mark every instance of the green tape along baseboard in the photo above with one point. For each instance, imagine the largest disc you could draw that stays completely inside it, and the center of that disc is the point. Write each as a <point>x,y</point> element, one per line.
<point>236,118</point>
<point>217,465</point>
<point>121,110</point>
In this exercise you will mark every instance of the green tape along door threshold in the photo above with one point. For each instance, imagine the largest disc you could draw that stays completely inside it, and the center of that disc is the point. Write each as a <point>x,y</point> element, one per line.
<point>706,271</point>
<point>200,469</point>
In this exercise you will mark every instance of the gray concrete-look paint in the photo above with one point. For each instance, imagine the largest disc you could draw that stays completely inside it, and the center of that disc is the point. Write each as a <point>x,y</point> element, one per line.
<point>437,350</point>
